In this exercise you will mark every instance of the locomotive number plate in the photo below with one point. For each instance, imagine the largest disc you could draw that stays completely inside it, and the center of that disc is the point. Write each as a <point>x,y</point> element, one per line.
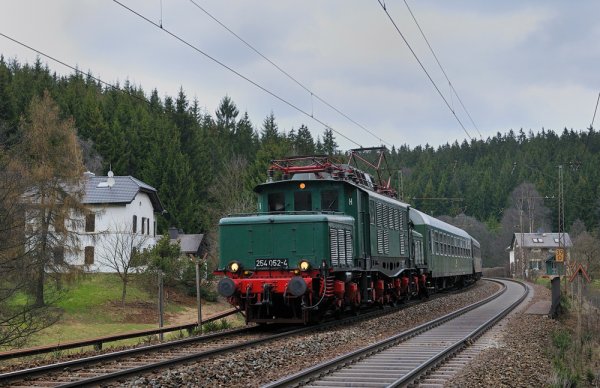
<point>271,263</point>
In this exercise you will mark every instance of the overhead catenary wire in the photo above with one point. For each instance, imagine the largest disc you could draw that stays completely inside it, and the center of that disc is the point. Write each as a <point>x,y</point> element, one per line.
<point>185,42</point>
<point>382,4</point>
<point>595,109</point>
<point>441,67</point>
<point>74,68</point>
<point>284,72</point>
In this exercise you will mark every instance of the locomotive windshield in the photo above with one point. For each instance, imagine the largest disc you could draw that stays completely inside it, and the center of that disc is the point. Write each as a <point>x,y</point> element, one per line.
<point>276,202</point>
<point>329,201</point>
<point>302,201</point>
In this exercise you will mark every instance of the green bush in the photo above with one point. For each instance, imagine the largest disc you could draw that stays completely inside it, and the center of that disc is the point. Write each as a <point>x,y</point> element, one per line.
<point>211,326</point>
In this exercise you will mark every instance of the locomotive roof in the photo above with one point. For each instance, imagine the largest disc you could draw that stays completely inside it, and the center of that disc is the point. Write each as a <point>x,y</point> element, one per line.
<point>383,198</point>
<point>326,177</point>
<point>420,218</point>
<point>286,218</point>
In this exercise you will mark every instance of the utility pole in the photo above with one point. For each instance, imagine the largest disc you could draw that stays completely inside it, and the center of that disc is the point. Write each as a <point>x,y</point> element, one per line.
<point>560,255</point>
<point>401,184</point>
<point>160,303</point>
<point>521,267</point>
<point>198,294</point>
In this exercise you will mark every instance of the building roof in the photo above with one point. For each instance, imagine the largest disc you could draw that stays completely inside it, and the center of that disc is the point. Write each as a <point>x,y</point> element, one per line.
<point>123,191</point>
<point>539,240</point>
<point>189,243</point>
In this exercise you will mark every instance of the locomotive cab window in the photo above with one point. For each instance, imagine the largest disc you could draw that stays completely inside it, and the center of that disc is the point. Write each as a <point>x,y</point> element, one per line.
<point>276,202</point>
<point>329,201</point>
<point>302,201</point>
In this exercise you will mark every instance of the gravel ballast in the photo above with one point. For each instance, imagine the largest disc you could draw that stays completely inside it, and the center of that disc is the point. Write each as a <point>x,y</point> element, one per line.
<point>272,361</point>
<point>522,358</point>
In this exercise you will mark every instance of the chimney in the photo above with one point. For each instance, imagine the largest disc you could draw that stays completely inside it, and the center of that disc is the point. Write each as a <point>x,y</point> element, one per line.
<point>173,233</point>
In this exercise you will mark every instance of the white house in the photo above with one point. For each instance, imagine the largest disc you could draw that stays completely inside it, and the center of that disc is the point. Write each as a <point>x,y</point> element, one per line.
<point>121,220</point>
<point>535,252</point>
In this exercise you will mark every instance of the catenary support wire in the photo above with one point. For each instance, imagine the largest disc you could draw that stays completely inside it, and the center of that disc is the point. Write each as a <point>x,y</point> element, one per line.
<point>312,93</point>
<point>381,3</point>
<point>185,42</point>
<point>441,67</point>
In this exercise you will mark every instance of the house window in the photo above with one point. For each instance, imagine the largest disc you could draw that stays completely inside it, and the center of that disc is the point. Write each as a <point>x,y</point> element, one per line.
<point>148,226</point>
<point>143,225</point>
<point>154,228</point>
<point>90,222</point>
<point>58,255</point>
<point>89,255</point>
<point>134,224</point>
<point>59,223</point>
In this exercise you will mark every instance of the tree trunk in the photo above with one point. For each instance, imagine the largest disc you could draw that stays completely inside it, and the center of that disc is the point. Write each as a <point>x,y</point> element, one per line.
<point>124,294</point>
<point>39,289</point>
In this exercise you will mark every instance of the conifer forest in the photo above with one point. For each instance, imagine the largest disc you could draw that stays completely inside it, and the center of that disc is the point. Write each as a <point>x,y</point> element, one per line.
<point>204,164</point>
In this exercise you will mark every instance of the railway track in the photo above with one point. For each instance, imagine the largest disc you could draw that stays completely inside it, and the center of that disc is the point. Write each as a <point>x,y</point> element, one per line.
<point>119,365</point>
<point>114,365</point>
<point>404,358</point>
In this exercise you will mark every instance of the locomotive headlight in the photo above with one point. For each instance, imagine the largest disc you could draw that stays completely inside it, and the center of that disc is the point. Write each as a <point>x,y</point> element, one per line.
<point>304,265</point>
<point>234,266</point>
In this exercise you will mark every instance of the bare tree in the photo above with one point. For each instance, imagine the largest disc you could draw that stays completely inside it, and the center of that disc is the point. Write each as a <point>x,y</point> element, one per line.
<point>229,196</point>
<point>228,192</point>
<point>530,213</point>
<point>586,250</point>
<point>120,251</point>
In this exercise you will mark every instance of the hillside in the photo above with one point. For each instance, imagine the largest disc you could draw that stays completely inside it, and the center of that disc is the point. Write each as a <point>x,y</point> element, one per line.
<point>204,165</point>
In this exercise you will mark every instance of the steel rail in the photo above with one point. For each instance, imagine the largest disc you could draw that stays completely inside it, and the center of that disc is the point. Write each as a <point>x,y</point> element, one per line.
<point>97,342</point>
<point>43,370</point>
<point>39,370</point>
<point>341,361</point>
<point>205,354</point>
<point>435,360</point>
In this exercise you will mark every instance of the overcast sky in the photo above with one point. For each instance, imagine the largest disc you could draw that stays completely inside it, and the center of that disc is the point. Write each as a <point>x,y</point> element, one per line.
<point>514,64</point>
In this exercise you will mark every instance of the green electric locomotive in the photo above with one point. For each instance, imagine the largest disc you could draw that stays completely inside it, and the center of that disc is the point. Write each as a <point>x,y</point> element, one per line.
<point>328,238</point>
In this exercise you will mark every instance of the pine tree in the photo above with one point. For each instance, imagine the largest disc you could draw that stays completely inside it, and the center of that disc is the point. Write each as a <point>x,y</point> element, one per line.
<point>304,143</point>
<point>51,163</point>
<point>329,144</point>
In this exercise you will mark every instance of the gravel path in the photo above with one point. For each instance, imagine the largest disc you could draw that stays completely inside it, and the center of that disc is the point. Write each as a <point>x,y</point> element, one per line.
<point>272,361</point>
<point>521,359</point>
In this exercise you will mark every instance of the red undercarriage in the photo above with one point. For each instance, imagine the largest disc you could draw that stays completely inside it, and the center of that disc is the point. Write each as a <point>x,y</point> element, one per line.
<point>271,287</point>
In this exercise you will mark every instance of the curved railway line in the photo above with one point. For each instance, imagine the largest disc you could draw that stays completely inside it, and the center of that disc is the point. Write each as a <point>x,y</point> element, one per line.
<point>406,357</point>
<point>117,365</point>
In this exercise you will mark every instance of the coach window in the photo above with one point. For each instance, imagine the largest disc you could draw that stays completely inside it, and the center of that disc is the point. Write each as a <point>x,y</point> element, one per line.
<point>302,201</point>
<point>276,202</point>
<point>329,201</point>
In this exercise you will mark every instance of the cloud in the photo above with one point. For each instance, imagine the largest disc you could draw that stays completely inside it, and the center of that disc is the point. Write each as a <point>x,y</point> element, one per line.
<point>515,63</point>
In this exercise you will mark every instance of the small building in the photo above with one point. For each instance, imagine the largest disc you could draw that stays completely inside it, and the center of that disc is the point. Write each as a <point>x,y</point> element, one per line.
<point>121,220</point>
<point>535,253</point>
<point>191,244</point>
